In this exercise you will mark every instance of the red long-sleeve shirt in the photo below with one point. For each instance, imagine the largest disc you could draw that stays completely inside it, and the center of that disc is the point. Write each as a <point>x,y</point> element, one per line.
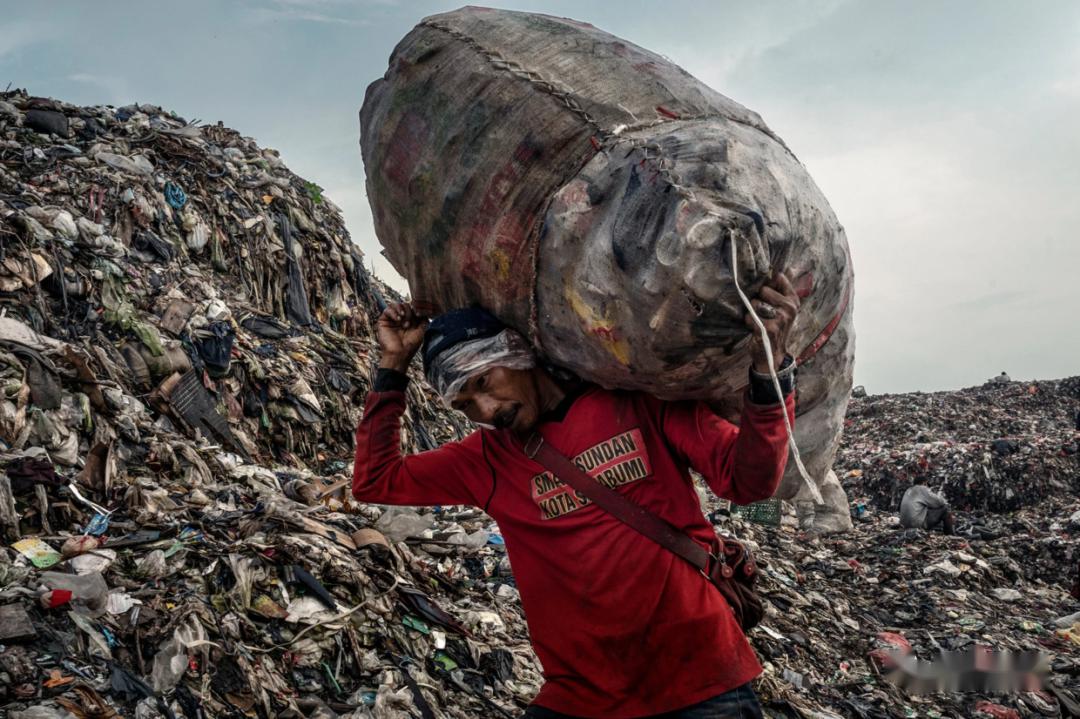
<point>622,627</point>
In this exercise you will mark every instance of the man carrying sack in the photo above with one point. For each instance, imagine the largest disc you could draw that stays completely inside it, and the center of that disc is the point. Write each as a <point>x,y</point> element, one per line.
<point>635,607</point>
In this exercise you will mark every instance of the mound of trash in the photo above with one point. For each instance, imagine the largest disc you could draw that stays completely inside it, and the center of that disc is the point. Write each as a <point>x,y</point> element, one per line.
<point>1000,446</point>
<point>838,605</point>
<point>1005,455</point>
<point>185,344</point>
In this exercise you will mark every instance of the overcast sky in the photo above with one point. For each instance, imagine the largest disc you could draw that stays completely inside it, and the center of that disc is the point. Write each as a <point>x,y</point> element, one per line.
<point>946,135</point>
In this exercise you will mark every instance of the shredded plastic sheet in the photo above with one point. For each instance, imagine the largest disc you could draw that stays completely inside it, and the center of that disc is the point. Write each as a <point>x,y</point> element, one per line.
<point>457,365</point>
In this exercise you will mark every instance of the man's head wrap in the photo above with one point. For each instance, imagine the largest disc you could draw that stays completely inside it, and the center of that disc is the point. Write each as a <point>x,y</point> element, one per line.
<point>463,343</point>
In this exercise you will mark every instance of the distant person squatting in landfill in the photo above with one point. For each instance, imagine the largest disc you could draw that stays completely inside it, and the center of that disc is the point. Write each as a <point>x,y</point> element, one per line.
<point>622,626</point>
<point>921,508</point>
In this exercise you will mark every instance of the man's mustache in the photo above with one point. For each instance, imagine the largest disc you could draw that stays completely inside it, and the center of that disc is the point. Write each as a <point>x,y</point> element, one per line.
<point>505,418</point>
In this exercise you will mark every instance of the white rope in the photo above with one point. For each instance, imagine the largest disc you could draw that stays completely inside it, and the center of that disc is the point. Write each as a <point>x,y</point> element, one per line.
<point>772,373</point>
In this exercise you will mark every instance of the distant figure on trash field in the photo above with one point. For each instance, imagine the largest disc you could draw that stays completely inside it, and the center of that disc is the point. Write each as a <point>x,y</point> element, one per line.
<point>1001,378</point>
<point>622,626</point>
<point>921,508</point>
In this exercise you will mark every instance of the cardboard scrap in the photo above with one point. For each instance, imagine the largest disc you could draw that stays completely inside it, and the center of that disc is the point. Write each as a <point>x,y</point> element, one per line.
<point>15,624</point>
<point>40,554</point>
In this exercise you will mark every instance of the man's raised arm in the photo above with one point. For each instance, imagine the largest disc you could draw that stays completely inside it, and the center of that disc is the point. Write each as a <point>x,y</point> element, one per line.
<point>452,474</point>
<point>745,463</point>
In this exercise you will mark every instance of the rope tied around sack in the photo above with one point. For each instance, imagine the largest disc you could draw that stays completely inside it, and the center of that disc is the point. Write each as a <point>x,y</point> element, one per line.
<point>814,492</point>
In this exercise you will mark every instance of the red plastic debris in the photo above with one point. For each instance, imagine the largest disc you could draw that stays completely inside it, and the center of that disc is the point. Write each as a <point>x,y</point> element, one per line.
<point>804,284</point>
<point>995,710</point>
<point>891,640</point>
<point>55,598</point>
<point>883,659</point>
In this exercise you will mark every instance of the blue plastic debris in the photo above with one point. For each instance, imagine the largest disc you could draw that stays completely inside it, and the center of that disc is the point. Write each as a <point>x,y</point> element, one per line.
<point>175,195</point>
<point>98,525</point>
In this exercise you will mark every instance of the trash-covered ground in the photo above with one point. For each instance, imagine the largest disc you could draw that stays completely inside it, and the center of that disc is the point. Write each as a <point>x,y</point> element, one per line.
<point>185,343</point>
<point>998,446</point>
<point>837,600</point>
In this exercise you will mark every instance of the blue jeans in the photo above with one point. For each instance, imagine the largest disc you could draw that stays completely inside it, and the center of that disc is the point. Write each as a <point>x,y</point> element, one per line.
<point>740,703</point>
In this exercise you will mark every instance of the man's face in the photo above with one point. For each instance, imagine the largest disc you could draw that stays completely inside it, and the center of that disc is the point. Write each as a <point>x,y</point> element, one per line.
<point>503,398</point>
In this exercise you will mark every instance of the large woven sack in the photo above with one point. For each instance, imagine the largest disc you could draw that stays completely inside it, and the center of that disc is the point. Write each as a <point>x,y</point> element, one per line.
<point>588,192</point>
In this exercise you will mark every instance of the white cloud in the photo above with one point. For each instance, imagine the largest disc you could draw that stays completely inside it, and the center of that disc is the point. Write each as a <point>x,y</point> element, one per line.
<point>118,89</point>
<point>1067,82</point>
<point>16,36</point>
<point>961,249</point>
<point>762,29</point>
<point>1067,86</point>
<point>331,3</point>
<point>316,11</point>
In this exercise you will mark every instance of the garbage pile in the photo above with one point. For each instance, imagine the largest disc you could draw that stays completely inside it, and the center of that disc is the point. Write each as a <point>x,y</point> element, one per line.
<point>838,604</point>
<point>1005,456</point>
<point>185,342</point>
<point>996,447</point>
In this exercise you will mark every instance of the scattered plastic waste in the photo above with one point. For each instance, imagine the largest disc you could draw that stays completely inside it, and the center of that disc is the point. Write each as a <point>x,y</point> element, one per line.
<point>227,572</point>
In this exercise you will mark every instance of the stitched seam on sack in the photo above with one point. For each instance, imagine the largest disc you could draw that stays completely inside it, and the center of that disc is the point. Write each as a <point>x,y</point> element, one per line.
<point>571,103</point>
<point>497,61</point>
<point>568,96</point>
<point>661,163</point>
